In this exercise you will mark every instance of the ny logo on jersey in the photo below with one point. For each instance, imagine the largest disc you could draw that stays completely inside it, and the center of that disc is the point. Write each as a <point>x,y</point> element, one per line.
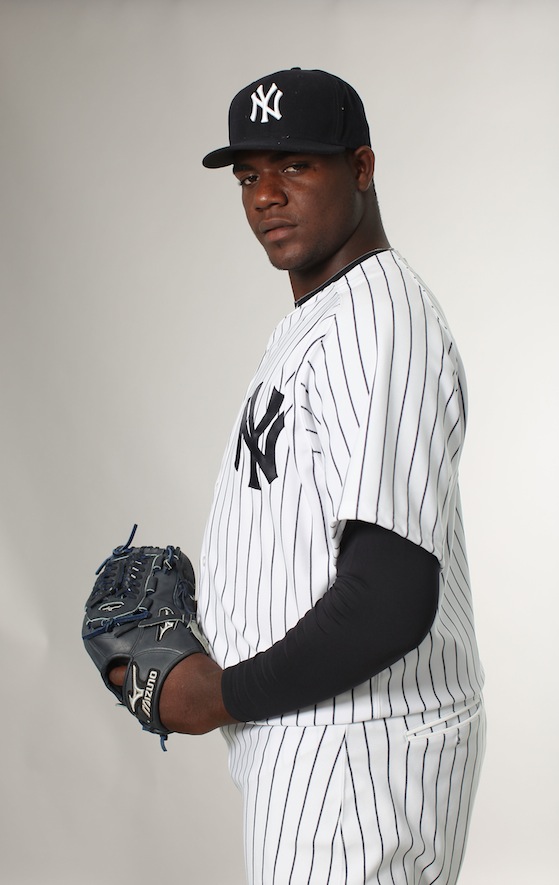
<point>264,459</point>
<point>259,100</point>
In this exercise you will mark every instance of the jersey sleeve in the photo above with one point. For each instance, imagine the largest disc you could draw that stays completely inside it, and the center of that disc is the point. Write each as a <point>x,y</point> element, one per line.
<point>389,398</point>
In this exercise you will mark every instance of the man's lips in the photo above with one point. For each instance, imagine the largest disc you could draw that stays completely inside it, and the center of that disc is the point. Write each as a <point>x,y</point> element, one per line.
<point>275,229</point>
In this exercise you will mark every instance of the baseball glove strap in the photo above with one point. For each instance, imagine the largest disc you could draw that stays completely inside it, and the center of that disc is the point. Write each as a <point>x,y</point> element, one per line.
<point>158,650</point>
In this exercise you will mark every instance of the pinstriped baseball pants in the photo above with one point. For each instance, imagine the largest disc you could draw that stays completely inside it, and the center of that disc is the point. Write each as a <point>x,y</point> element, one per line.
<point>385,801</point>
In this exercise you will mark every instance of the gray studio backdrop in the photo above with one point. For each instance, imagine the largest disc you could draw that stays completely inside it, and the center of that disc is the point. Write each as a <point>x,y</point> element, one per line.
<point>135,306</point>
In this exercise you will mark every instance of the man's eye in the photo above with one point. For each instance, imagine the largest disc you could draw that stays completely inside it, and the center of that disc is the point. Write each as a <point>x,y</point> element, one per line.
<point>295,167</point>
<point>246,180</point>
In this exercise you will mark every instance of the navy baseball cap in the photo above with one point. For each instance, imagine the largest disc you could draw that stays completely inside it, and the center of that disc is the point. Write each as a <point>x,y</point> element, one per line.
<point>295,111</point>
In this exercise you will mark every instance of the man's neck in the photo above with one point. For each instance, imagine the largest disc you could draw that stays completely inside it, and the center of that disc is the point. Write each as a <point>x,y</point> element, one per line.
<point>303,282</point>
<point>345,269</point>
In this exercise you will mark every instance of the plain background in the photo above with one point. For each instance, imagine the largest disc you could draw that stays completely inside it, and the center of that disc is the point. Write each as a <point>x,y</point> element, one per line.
<point>135,306</point>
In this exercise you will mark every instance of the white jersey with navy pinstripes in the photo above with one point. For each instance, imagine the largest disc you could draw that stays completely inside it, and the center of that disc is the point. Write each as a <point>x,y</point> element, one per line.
<point>357,411</point>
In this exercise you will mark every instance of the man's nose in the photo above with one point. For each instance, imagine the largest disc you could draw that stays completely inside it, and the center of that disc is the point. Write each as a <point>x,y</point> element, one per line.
<point>269,192</point>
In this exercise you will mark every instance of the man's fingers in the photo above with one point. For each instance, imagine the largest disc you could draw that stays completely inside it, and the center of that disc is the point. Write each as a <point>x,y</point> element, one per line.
<point>116,675</point>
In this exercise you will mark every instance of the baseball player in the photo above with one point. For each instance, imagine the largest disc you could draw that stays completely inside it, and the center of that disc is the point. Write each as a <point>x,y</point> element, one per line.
<point>334,587</point>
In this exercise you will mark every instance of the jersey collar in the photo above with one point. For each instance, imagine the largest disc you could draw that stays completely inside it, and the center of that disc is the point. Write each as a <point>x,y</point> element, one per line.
<point>338,275</point>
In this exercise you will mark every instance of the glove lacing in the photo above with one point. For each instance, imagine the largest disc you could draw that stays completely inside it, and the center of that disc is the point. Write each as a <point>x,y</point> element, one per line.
<point>118,582</point>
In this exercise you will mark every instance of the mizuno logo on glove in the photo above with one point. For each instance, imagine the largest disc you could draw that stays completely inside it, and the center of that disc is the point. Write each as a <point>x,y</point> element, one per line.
<point>143,694</point>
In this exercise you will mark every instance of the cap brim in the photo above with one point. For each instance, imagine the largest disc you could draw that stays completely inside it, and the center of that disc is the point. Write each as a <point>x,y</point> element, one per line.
<point>226,156</point>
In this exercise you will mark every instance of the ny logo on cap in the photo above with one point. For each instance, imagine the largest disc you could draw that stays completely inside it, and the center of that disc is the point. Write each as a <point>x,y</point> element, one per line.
<point>259,100</point>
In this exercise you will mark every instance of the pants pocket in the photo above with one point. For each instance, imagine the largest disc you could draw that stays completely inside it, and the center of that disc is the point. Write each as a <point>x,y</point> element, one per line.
<point>451,724</point>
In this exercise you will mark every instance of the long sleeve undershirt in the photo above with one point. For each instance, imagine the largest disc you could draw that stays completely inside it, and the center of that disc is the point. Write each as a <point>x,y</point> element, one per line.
<point>381,606</point>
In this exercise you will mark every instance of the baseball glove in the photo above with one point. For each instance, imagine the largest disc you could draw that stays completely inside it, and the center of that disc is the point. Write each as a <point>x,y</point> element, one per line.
<point>142,614</point>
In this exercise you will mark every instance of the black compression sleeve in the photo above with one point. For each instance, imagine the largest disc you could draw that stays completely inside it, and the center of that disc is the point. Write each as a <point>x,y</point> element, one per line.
<point>381,606</point>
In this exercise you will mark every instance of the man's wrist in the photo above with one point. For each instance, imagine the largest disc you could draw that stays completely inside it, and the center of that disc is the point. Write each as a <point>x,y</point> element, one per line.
<point>191,699</point>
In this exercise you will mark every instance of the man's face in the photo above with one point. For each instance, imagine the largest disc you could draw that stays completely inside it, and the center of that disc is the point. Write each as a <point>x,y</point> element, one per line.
<point>303,208</point>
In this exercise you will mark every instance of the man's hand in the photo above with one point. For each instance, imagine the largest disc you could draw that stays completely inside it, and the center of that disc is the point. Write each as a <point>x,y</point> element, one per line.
<point>191,700</point>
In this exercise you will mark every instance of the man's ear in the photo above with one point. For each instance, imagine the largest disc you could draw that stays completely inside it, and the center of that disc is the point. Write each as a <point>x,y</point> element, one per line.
<point>363,160</point>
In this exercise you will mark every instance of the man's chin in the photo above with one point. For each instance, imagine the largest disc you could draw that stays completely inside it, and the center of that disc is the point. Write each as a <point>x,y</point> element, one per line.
<point>278,263</point>
<point>283,261</point>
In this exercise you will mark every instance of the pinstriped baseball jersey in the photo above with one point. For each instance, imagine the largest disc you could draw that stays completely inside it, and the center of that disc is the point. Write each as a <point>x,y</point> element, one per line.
<point>357,411</point>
